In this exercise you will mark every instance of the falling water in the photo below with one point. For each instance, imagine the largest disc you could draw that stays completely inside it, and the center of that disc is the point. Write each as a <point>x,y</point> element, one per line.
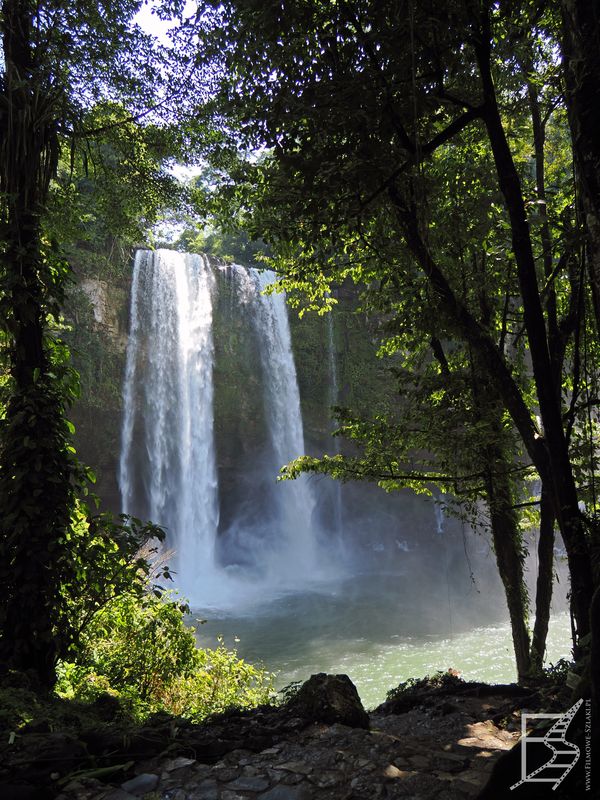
<point>285,545</point>
<point>440,520</point>
<point>438,508</point>
<point>167,468</point>
<point>338,522</point>
<point>282,404</point>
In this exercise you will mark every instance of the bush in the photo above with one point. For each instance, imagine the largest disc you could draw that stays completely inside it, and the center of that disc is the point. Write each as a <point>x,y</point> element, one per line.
<point>415,686</point>
<point>109,559</point>
<point>141,651</point>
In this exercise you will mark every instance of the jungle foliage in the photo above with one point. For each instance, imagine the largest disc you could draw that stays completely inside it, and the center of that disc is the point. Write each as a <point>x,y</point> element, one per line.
<point>423,150</point>
<point>426,151</point>
<point>82,91</point>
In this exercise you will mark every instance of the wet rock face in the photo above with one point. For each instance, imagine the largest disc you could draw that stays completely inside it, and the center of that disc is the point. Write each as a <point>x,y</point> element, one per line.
<point>330,699</point>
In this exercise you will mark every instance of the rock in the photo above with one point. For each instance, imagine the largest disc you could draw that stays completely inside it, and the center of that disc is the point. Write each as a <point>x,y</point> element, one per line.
<point>292,778</point>
<point>141,784</point>
<point>249,783</point>
<point>326,780</point>
<point>330,699</point>
<point>448,708</point>
<point>226,773</point>
<point>286,793</point>
<point>419,762</point>
<point>207,790</point>
<point>295,766</point>
<point>178,763</point>
<point>118,794</point>
<point>450,762</point>
<point>238,757</point>
<point>393,772</point>
<point>74,786</point>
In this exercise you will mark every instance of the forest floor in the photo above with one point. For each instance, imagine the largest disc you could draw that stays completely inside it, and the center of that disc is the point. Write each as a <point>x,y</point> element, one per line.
<point>435,740</point>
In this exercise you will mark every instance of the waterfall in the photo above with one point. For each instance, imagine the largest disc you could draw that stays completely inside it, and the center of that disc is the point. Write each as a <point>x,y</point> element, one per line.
<point>283,543</point>
<point>282,405</point>
<point>438,510</point>
<point>440,524</point>
<point>334,398</point>
<point>168,469</point>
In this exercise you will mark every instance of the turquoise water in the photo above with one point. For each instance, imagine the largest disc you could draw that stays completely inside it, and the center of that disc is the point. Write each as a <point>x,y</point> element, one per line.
<point>377,634</point>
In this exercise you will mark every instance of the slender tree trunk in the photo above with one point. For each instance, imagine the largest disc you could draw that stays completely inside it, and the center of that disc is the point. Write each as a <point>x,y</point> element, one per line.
<point>539,138</point>
<point>504,521</point>
<point>560,480</point>
<point>581,66</point>
<point>510,554</point>
<point>543,593</point>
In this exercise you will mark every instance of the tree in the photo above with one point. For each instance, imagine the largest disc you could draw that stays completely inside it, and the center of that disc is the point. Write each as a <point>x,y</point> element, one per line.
<point>356,101</point>
<point>59,61</point>
<point>581,64</point>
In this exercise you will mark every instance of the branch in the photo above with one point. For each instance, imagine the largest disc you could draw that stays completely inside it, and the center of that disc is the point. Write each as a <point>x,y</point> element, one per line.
<point>455,127</point>
<point>473,333</point>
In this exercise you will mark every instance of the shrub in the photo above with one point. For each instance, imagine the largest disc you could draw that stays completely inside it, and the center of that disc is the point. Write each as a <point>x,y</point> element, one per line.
<point>141,651</point>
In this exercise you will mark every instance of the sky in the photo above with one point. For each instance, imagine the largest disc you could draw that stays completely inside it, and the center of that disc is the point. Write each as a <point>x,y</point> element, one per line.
<point>150,23</point>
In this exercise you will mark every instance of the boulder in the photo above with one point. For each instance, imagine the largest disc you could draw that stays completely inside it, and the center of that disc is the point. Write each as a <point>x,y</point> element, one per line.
<point>329,699</point>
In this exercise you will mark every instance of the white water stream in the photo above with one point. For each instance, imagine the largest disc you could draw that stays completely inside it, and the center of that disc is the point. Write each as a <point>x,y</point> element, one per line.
<point>168,468</point>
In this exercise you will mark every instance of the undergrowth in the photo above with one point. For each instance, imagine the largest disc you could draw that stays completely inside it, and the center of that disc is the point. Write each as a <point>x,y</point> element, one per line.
<point>143,653</point>
<point>137,657</point>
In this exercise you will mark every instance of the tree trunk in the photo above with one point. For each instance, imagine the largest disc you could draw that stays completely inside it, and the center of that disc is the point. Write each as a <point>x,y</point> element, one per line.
<point>509,554</point>
<point>543,593</point>
<point>36,469</point>
<point>581,66</point>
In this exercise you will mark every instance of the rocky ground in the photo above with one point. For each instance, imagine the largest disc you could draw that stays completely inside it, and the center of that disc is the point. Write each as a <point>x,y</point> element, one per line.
<point>435,741</point>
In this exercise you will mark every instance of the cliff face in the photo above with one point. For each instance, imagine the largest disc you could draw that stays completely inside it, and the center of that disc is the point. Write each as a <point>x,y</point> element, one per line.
<point>98,310</point>
<point>336,364</point>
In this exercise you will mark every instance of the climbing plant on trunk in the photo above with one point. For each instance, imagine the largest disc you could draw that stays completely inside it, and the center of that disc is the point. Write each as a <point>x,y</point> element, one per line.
<point>37,469</point>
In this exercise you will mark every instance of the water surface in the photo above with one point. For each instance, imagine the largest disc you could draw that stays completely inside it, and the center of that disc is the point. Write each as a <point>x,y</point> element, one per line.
<point>377,631</point>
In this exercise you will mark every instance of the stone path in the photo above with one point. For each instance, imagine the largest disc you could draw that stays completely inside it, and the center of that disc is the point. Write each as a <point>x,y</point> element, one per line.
<point>445,751</point>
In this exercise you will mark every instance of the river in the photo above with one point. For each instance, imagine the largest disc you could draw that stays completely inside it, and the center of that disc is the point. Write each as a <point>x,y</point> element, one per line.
<point>375,633</point>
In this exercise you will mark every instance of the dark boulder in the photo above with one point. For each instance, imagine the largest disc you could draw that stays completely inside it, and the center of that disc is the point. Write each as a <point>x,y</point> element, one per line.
<point>329,699</point>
